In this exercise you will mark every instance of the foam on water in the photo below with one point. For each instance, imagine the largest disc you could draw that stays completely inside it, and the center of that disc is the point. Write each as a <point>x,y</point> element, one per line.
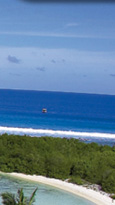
<point>39,132</point>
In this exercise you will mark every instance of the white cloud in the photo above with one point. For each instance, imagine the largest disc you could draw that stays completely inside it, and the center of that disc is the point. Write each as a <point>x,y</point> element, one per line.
<point>55,34</point>
<point>72,24</point>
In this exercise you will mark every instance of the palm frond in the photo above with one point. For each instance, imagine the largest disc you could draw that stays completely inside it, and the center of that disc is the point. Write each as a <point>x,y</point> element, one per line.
<point>8,198</point>
<point>32,198</point>
<point>21,199</point>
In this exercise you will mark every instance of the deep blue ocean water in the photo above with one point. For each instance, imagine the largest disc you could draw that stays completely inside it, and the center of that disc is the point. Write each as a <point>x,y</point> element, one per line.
<point>90,117</point>
<point>86,116</point>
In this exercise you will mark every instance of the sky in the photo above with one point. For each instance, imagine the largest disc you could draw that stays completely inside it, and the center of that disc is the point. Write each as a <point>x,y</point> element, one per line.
<point>66,47</point>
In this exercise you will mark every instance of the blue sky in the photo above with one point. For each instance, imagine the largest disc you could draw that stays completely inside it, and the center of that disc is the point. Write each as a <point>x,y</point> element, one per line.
<point>57,46</point>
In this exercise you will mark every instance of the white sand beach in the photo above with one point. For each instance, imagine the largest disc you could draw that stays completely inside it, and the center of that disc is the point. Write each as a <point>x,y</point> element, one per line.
<point>97,197</point>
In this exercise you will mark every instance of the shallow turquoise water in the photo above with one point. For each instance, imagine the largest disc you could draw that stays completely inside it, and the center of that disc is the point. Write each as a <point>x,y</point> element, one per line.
<point>46,195</point>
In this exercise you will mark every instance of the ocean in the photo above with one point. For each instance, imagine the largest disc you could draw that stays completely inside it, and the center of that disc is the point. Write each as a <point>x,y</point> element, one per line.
<point>88,117</point>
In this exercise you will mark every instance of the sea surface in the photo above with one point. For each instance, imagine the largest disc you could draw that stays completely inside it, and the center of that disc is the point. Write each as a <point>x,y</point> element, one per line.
<point>90,117</point>
<point>87,117</point>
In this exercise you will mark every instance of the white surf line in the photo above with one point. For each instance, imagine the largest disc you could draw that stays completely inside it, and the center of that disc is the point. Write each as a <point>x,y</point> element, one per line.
<point>58,132</point>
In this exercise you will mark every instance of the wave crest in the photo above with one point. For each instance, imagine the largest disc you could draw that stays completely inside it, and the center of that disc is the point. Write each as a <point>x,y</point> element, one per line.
<point>41,132</point>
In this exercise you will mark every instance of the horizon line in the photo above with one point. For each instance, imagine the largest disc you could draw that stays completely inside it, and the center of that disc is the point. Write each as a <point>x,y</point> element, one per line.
<point>87,93</point>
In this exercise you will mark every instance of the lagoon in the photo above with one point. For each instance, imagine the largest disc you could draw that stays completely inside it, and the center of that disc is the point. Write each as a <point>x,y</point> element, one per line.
<point>46,195</point>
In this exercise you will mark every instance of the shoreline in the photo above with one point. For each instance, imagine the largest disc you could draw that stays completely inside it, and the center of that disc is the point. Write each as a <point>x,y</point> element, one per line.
<point>97,197</point>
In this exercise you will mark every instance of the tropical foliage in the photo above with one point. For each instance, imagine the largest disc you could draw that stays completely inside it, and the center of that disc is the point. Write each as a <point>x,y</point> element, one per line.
<point>19,199</point>
<point>59,158</point>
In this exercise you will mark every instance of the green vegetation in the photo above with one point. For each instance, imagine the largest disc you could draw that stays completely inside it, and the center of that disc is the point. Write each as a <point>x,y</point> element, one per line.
<point>19,199</point>
<point>59,158</point>
<point>113,196</point>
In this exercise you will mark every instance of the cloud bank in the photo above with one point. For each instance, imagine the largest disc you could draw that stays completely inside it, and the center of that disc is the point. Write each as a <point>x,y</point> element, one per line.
<point>40,69</point>
<point>112,75</point>
<point>13,59</point>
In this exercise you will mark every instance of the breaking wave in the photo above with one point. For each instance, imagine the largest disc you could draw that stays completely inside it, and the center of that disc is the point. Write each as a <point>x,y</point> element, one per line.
<point>56,133</point>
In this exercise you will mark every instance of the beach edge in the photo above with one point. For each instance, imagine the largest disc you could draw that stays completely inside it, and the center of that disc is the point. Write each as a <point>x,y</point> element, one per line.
<point>94,196</point>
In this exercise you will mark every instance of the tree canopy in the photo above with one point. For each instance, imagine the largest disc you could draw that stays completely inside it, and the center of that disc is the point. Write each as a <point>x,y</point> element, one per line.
<point>60,158</point>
